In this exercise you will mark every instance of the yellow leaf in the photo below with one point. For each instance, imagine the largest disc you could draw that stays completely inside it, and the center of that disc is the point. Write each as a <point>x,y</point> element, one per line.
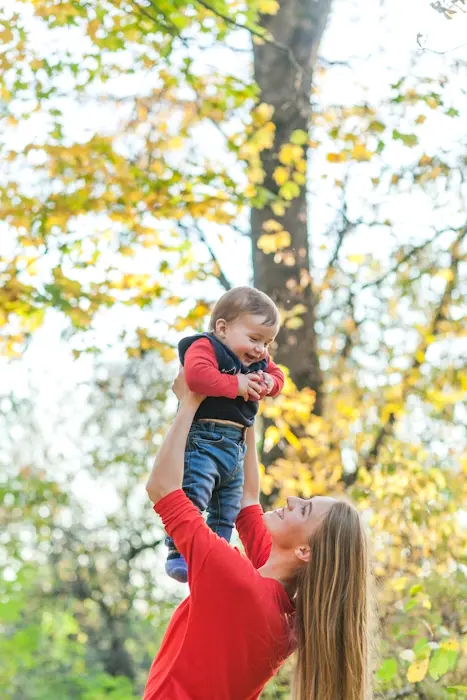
<point>300,165</point>
<point>250,190</point>
<point>450,645</point>
<point>417,671</point>
<point>425,160</point>
<point>268,7</point>
<point>271,226</point>
<point>299,178</point>
<point>420,119</point>
<point>294,323</point>
<point>400,583</point>
<point>361,153</point>
<point>264,137</point>
<point>436,172</point>
<point>290,153</point>
<point>278,208</point>
<point>272,242</point>
<point>357,258</point>
<point>337,157</point>
<point>280,175</point>
<point>6,35</point>
<point>292,439</point>
<point>256,175</point>
<point>446,274</point>
<point>175,143</point>
<point>264,112</point>
<point>272,434</point>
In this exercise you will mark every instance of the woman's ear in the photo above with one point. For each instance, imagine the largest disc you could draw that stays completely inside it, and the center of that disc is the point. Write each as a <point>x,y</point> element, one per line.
<point>303,553</point>
<point>221,327</point>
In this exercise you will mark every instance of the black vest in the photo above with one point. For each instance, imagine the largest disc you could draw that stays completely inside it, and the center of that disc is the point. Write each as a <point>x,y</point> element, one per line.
<point>237,410</point>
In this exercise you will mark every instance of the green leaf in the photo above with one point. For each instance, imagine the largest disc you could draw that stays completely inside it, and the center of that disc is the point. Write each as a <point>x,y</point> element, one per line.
<point>377,126</point>
<point>439,664</point>
<point>289,190</point>
<point>421,648</point>
<point>409,140</point>
<point>299,137</point>
<point>387,670</point>
<point>458,689</point>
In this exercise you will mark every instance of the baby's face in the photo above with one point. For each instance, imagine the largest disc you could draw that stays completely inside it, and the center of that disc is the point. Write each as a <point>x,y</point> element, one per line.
<point>248,337</point>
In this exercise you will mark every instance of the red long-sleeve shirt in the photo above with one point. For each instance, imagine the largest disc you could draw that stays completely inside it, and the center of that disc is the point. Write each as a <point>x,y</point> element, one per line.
<point>203,376</point>
<point>229,637</point>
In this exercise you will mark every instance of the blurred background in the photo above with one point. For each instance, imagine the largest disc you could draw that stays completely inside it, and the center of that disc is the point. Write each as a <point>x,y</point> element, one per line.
<point>154,154</point>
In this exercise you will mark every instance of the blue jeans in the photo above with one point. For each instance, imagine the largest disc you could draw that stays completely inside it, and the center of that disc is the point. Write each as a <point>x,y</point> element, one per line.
<point>213,476</point>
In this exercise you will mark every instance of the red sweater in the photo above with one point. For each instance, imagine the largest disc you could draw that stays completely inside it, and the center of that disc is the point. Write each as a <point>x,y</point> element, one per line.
<point>229,637</point>
<point>203,376</point>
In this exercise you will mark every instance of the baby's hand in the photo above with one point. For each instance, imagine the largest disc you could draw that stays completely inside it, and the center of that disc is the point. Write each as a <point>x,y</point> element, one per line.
<point>249,386</point>
<point>268,381</point>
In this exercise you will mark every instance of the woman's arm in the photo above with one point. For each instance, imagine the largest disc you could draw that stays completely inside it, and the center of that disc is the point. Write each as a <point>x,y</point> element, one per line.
<point>251,471</point>
<point>167,472</point>
<point>250,526</point>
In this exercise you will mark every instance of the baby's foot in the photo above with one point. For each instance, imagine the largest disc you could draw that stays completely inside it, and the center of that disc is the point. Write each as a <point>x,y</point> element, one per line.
<point>176,567</point>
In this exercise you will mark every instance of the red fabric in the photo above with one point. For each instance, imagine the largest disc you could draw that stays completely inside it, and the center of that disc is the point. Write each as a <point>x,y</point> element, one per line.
<point>203,376</point>
<point>229,637</point>
<point>278,377</point>
<point>202,372</point>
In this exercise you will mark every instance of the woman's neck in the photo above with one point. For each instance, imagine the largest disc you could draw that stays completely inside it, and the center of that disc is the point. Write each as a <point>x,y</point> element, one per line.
<point>281,566</point>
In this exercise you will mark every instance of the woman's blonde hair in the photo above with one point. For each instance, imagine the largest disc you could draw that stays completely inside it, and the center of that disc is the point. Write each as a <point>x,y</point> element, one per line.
<point>334,612</point>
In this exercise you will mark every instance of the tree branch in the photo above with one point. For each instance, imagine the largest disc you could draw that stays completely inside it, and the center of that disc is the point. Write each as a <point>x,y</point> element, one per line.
<point>172,28</point>
<point>134,551</point>
<point>402,693</point>
<point>415,249</point>
<point>387,428</point>
<point>220,276</point>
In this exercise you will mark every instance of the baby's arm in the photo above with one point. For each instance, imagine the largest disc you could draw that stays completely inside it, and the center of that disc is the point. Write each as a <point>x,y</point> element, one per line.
<point>203,376</point>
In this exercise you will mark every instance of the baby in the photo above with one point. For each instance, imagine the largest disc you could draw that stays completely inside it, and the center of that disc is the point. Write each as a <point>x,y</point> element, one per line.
<point>229,365</point>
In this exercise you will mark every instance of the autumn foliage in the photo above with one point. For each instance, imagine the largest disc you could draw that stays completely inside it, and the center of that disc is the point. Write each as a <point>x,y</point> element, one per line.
<point>133,149</point>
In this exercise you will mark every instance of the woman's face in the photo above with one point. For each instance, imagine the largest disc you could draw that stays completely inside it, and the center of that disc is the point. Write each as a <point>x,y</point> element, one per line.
<point>292,526</point>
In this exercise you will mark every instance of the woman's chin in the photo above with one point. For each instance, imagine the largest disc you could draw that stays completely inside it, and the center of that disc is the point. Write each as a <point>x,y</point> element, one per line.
<point>268,519</point>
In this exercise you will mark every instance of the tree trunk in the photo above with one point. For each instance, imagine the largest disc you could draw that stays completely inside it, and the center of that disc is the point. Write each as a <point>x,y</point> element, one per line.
<point>284,75</point>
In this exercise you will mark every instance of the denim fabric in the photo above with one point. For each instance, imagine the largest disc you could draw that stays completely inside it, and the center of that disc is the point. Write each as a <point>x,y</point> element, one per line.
<point>213,476</point>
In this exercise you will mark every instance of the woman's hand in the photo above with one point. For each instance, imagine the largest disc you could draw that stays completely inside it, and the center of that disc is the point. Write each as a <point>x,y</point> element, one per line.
<point>182,392</point>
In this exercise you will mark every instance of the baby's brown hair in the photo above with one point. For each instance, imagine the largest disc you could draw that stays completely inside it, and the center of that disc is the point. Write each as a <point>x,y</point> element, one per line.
<point>244,300</point>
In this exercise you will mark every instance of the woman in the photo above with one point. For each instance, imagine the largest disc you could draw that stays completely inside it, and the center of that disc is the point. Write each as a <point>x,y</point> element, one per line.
<point>304,584</point>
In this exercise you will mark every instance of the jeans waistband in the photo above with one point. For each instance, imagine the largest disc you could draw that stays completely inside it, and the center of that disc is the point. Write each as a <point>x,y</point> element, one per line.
<point>233,431</point>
